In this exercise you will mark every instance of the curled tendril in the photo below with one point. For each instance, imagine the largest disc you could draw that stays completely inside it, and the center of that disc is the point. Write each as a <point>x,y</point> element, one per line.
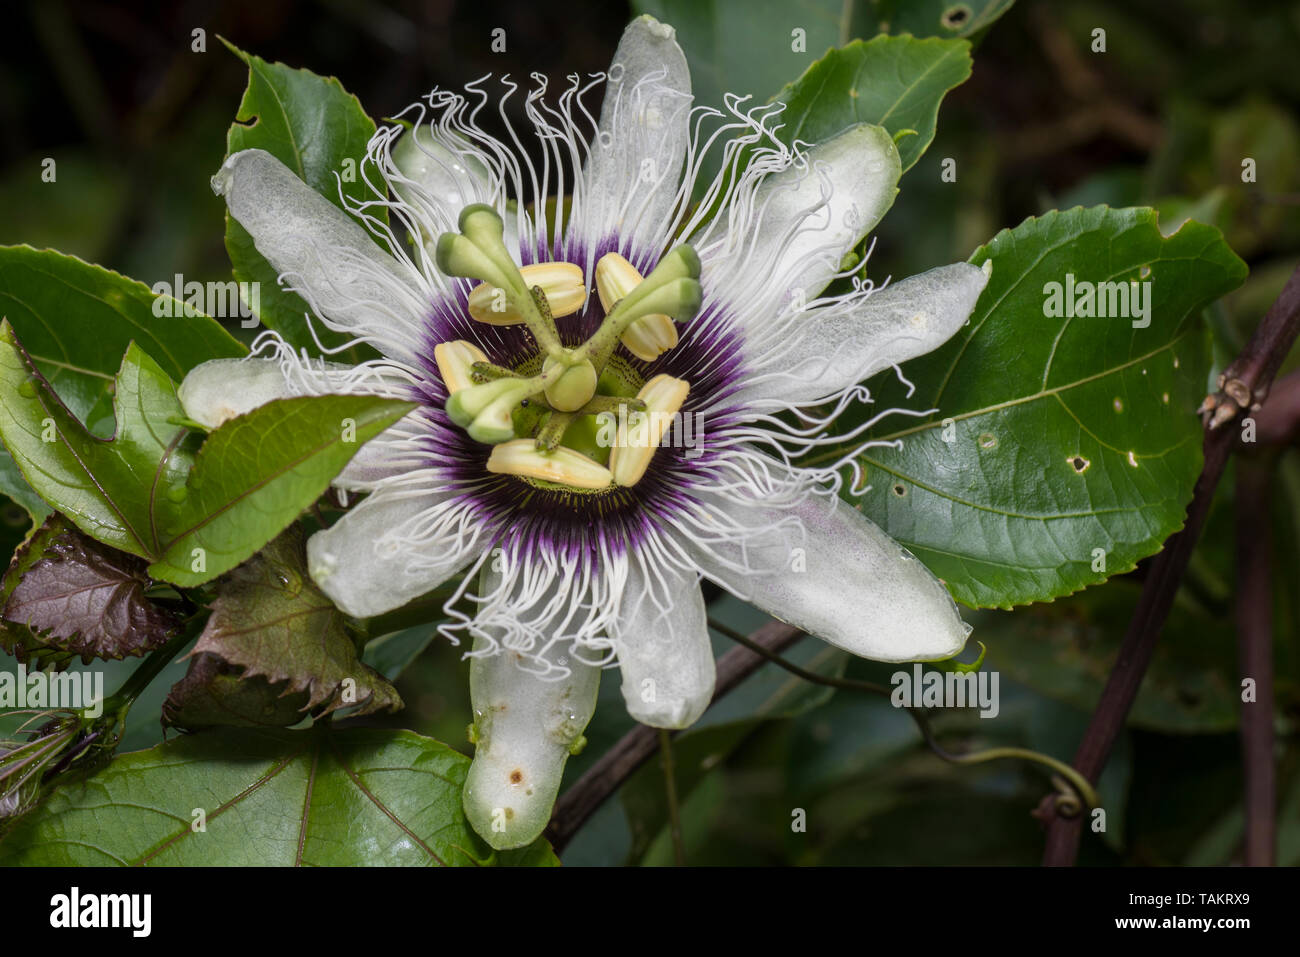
<point>1068,803</point>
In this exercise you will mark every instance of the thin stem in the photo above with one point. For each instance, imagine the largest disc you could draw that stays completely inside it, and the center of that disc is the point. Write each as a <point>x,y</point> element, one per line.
<point>1254,614</point>
<point>848,684</point>
<point>670,792</point>
<point>1082,787</point>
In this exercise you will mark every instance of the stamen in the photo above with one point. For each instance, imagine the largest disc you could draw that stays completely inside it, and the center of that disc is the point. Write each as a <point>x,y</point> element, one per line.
<point>455,363</point>
<point>479,252</point>
<point>635,446</point>
<point>648,337</point>
<point>562,283</point>
<point>485,410</point>
<point>561,465</point>
<point>672,288</point>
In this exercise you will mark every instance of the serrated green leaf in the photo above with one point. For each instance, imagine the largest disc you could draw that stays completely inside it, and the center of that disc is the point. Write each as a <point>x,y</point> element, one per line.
<point>105,486</point>
<point>255,474</point>
<point>76,320</point>
<point>894,82</point>
<point>316,128</point>
<point>270,619</point>
<point>359,797</point>
<point>1074,443</point>
<point>391,654</point>
<point>137,491</point>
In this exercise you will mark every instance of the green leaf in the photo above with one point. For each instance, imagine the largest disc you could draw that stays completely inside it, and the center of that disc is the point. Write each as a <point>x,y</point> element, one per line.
<point>318,130</point>
<point>257,472</point>
<point>80,597</point>
<point>137,492</point>
<point>76,320</point>
<point>1073,443</point>
<point>15,486</point>
<point>391,654</point>
<point>894,82</point>
<point>749,47</point>
<point>927,18</point>
<point>360,797</point>
<point>107,487</point>
<point>270,619</point>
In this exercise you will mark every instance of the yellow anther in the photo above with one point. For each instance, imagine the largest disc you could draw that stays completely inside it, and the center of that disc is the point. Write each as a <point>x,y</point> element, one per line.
<point>454,360</point>
<point>649,336</point>
<point>563,283</point>
<point>562,465</point>
<point>635,446</point>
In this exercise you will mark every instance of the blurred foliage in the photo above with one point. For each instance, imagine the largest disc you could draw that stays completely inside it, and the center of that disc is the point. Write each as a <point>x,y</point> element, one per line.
<point>136,123</point>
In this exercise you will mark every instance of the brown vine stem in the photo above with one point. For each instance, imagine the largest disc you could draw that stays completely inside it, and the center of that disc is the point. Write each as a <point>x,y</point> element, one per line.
<point>616,765</point>
<point>1243,385</point>
<point>1254,613</point>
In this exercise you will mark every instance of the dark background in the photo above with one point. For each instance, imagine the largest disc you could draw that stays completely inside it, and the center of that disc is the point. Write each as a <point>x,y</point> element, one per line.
<point>136,122</point>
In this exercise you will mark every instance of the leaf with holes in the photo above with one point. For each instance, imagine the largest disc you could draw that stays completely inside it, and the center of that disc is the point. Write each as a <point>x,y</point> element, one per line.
<point>927,18</point>
<point>318,130</point>
<point>76,596</point>
<point>1064,445</point>
<point>894,82</point>
<point>360,797</point>
<point>270,619</point>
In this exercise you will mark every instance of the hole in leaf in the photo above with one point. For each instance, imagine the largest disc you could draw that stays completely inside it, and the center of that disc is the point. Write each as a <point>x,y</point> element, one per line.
<point>1079,463</point>
<point>954,18</point>
<point>900,490</point>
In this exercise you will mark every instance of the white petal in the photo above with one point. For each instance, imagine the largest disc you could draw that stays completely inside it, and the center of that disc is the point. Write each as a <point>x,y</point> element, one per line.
<point>834,574</point>
<point>451,179</point>
<point>632,176</point>
<point>664,652</point>
<point>808,216</point>
<point>439,175</point>
<point>382,553</point>
<point>323,253</point>
<point>828,349</point>
<point>525,728</point>
<point>220,389</point>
